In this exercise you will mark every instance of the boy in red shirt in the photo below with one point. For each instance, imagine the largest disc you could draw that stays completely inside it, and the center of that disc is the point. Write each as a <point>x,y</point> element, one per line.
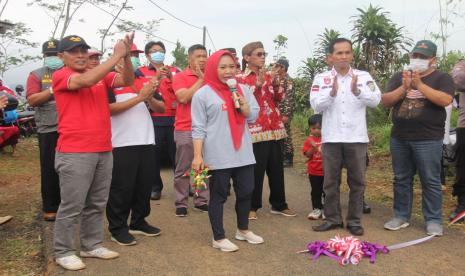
<point>84,160</point>
<point>312,150</point>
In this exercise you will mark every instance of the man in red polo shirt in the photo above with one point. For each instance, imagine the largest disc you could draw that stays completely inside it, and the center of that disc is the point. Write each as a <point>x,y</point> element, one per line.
<point>185,84</point>
<point>84,159</point>
<point>163,122</point>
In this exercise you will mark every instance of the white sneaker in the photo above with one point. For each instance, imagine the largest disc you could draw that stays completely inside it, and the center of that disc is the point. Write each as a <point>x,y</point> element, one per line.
<point>225,245</point>
<point>250,237</point>
<point>101,253</point>
<point>71,262</point>
<point>315,214</point>
<point>395,224</point>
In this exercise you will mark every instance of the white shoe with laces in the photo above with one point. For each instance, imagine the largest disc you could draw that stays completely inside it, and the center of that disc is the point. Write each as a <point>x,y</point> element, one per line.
<point>315,214</point>
<point>71,262</point>
<point>249,236</point>
<point>100,253</point>
<point>225,245</point>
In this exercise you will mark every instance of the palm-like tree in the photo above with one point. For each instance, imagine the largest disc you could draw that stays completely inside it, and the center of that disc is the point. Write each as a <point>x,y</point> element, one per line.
<point>381,42</point>
<point>323,41</point>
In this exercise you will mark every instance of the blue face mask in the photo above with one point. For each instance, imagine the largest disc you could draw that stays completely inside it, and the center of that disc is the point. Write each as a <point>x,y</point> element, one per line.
<point>135,62</point>
<point>157,57</point>
<point>53,62</point>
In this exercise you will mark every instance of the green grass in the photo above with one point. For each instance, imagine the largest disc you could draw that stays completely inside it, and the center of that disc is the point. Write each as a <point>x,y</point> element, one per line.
<point>379,138</point>
<point>300,121</point>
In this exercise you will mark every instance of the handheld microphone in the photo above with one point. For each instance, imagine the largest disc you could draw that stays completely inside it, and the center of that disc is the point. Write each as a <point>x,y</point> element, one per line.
<point>232,86</point>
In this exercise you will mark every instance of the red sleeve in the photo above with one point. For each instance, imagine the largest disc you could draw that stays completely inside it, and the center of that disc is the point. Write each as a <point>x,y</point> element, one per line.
<point>32,85</point>
<point>179,82</point>
<point>60,79</point>
<point>109,79</point>
<point>307,145</point>
<point>7,90</point>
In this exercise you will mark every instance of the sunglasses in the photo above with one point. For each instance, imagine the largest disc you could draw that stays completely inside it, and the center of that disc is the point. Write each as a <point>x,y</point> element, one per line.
<point>261,54</point>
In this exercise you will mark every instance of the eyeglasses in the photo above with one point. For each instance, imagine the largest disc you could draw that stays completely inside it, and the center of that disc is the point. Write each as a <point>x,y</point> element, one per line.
<point>261,54</point>
<point>156,51</point>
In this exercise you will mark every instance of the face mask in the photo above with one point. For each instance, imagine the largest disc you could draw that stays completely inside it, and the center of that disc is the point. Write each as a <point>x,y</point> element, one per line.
<point>419,65</point>
<point>157,57</point>
<point>135,62</point>
<point>53,62</point>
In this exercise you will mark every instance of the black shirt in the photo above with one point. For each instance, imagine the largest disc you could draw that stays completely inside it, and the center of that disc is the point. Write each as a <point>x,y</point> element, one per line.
<point>415,117</point>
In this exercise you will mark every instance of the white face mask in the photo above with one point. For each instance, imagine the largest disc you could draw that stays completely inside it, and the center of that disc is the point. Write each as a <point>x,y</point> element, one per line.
<point>418,65</point>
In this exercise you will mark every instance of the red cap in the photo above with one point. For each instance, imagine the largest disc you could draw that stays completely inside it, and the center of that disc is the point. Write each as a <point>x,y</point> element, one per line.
<point>134,49</point>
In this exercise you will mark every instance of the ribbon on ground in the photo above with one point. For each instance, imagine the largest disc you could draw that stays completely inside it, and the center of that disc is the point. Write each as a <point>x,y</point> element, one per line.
<point>409,243</point>
<point>347,250</point>
<point>457,218</point>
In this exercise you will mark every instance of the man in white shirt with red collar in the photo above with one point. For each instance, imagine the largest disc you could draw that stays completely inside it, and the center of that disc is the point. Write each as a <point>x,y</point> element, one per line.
<point>341,95</point>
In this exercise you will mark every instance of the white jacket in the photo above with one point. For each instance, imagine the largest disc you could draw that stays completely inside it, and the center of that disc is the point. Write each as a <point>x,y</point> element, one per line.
<point>344,116</point>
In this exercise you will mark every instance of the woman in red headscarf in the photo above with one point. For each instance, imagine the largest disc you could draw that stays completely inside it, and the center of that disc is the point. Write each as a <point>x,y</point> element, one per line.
<point>222,142</point>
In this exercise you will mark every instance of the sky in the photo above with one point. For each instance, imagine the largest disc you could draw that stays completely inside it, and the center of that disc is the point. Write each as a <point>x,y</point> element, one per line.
<point>235,23</point>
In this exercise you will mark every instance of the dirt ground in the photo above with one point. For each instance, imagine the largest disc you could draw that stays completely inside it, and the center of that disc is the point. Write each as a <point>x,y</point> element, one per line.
<point>184,248</point>
<point>21,239</point>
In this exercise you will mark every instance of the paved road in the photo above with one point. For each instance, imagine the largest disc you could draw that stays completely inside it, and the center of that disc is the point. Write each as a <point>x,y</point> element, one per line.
<point>184,248</point>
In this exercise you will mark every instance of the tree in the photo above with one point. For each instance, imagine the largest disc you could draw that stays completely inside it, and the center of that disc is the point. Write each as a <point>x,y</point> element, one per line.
<point>280,42</point>
<point>180,56</point>
<point>323,42</point>
<point>12,45</point>
<point>62,13</point>
<point>382,44</point>
<point>307,72</point>
<point>446,62</point>
<point>106,32</point>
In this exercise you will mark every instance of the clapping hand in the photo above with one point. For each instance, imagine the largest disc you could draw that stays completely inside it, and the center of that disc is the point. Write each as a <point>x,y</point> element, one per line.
<point>148,89</point>
<point>416,80</point>
<point>260,78</point>
<point>353,85</point>
<point>407,80</point>
<point>335,87</point>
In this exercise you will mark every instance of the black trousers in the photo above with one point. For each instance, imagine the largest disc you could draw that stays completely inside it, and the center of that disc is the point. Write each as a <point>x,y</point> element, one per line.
<point>269,159</point>
<point>49,181</point>
<point>164,137</point>
<point>243,183</point>
<point>131,185</point>
<point>459,185</point>
<point>317,194</point>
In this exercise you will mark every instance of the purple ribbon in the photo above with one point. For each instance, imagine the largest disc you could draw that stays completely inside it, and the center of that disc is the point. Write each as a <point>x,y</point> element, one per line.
<point>317,248</point>
<point>371,249</point>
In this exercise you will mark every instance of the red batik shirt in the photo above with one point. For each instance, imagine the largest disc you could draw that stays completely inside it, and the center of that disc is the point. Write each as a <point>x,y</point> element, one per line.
<point>268,125</point>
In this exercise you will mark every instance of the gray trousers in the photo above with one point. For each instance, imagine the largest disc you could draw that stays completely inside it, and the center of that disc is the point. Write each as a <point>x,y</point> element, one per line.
<point>184,157</point>
<point>353,157</point>
<point>84,184</point>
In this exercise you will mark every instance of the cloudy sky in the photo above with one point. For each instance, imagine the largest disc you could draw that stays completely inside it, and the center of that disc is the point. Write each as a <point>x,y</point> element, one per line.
<point>234,23</point>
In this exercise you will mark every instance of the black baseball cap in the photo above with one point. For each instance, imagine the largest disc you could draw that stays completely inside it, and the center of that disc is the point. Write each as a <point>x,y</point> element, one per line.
<point>70,42</point>
<point>50,46</point>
